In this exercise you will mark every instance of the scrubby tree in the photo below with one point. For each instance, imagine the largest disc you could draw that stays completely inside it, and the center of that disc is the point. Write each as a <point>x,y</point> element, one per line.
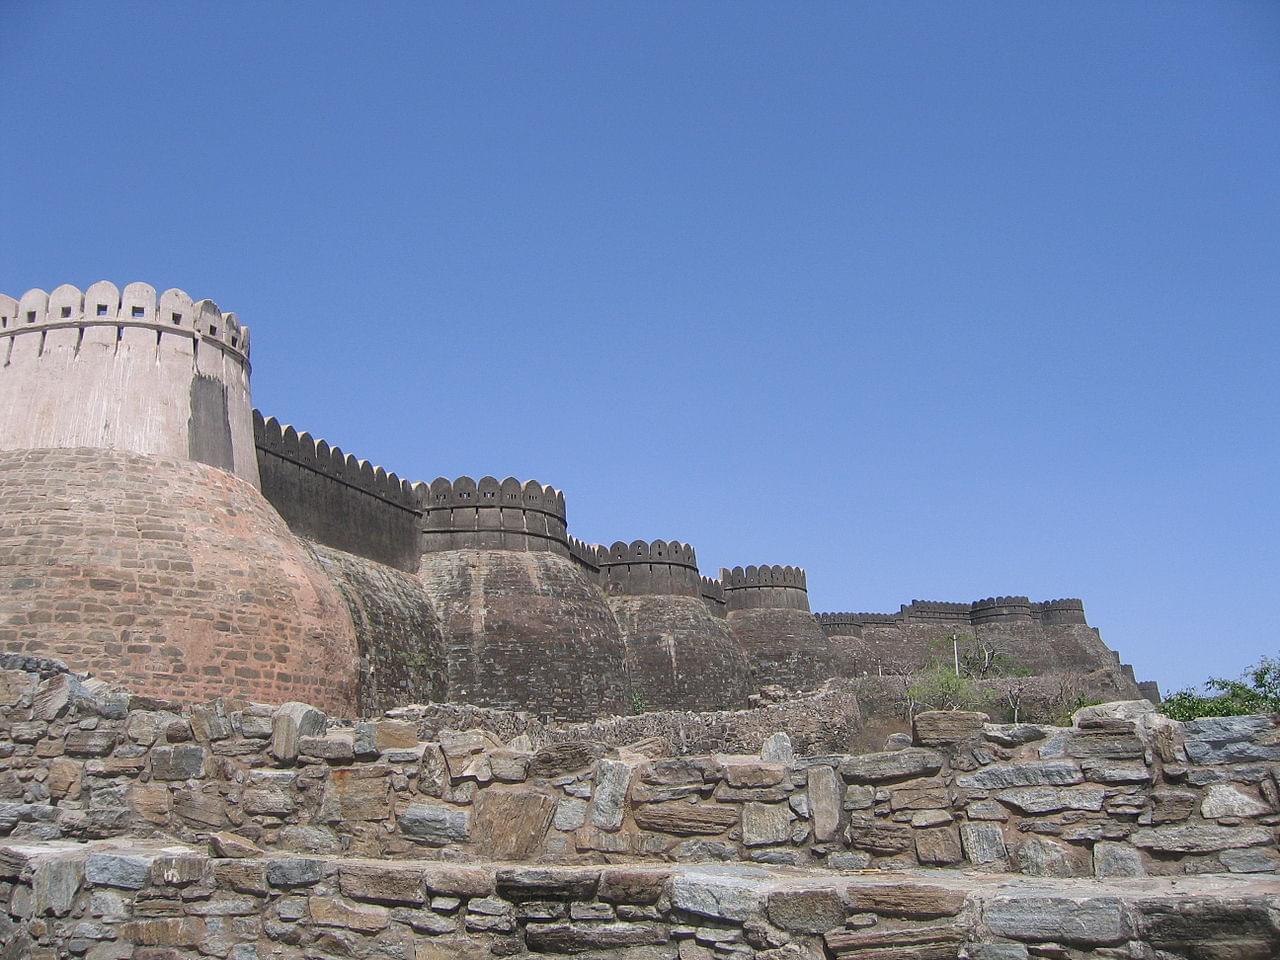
<point>1257,691</point>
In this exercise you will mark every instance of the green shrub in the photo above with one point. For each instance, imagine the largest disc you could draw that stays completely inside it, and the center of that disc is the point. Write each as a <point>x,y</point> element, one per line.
<point>1257,691</point>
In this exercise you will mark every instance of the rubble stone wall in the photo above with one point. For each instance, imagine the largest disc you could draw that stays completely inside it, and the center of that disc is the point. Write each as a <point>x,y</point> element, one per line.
<point>154,901</point>
<point>1124,792</point>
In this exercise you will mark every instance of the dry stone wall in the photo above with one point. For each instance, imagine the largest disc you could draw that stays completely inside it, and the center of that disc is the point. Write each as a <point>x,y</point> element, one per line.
<point>1123,793</point>
<point>112,900</point>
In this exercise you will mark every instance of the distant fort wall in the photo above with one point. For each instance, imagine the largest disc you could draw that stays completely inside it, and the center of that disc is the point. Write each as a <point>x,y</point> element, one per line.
<point>334,498</point>
<point>126,370</point>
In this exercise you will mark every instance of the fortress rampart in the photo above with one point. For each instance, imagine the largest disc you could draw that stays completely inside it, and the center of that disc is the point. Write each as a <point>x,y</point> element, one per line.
<point>462,514</point>
<point>126,370</point>
<point>988,611</point>
<point>335,499</point>
<point>772,587</point>
<point>460,589</point>
<point>642,568</point>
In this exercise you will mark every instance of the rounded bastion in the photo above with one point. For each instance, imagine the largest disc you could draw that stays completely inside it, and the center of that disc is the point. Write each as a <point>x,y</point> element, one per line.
<point>680,656</point>
<point>524,623</point>
<point>134,542</point>
<point>173,577</point>
<point>768,612</point>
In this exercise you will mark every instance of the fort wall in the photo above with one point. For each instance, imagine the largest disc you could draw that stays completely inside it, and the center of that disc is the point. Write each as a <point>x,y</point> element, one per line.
<point>334,498</point>
<point>126,370</point>
<point>172,576</point>
<point>642,568</point>
<point>462,514</point>
<point>768,612</point>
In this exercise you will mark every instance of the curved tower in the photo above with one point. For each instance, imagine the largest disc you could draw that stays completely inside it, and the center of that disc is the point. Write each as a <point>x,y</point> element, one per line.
<point>134,543</point>
<point>768,610</point>
<point>679,654</point>
<point>525,627</point>
<point>127,370</point>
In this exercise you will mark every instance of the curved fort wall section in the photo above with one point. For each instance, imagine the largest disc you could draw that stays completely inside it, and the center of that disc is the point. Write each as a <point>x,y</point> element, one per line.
<point>334,498</point>
<point>680,656</point>
<point>133,539</point>
<point>126,370</point>
<point>768,612</point>
<point>525,623</point>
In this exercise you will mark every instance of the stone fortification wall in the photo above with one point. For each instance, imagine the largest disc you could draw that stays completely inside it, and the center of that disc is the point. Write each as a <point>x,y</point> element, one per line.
<point>335,499</point>
<point>172,576</point>
<point>126,370</point>
<point>492,515</point>
<point>768,611</point>
<point>527,630</point>
<point>642,568</point>
<point>1052,636</point>
<point>1122,793</point>
<point>401,648</point>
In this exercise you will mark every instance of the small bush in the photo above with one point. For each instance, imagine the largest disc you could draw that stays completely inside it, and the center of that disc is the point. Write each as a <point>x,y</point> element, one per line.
<point>1257,691</point>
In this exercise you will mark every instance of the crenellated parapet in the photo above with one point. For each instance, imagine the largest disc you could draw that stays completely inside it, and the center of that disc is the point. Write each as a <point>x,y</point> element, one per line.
<point>283,441</point>
<point>586,556</point>
<point>775,587</point>
<point>1001,609</point>
<point>492,514</point>
<point>713,596</point>
<point>335,498</point>
<point>659,567</point>
<point>1059,612</point>
<point>157,374</point>
<point>989,611</point>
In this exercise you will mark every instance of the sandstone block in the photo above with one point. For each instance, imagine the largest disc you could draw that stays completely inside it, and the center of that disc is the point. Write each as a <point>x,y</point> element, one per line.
<point>511,824</point>
<point>577,938</point>
<point>435,824</point>
<point>1092,921</point>
<point>685,819</point>
<point>289,724</point>
<point>1031,773</point>
<point>382,883</point>
<point>907,901</point>
<point>936,728</point>
<point>777,748</point>
<point>719,897</point>
<point>891,765</point>
<point>540,883</point>
<point>765,823</point>
<point>1053,799</point>
<point>124,870</point>
<point>983,843</point>
<point>806,911</point>
<point>825,802</point>
<point>938,846</point>
<point>332,912</point>
<point>877,836</point>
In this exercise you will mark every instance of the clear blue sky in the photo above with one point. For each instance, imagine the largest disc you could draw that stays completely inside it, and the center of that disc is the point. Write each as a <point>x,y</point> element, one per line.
<point>937,300</point>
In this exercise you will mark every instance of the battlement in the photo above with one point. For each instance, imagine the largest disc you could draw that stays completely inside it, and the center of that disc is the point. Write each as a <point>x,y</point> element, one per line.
<point>137,306</point>
<point>462,514</point>
<point>918,610</point>
<point>283,441</point>
<point>335,498</point>
<point>586,555</point>
<point>992,609</point>
<point>1000,608</point>
<point>658,567</point>
<point>1055,612</point>
<point>114,369</point>
<point>713,595</point>
<point>840,624</point>
<point>747,588</point>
